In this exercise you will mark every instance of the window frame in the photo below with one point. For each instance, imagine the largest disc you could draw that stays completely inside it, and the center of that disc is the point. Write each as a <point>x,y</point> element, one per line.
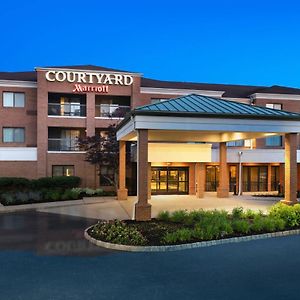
<point>64,168</point>
<point>14,99</point>
<point>14,135</point>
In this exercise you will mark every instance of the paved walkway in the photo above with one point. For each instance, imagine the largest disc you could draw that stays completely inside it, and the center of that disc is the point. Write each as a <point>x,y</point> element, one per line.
<point>109,208</point>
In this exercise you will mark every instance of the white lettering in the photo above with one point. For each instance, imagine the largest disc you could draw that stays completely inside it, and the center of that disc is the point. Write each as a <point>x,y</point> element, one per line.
<point>60,76</point>
<point>48,76</point>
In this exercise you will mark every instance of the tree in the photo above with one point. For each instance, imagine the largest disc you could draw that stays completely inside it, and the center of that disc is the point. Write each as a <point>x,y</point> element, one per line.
<point>103,150</point>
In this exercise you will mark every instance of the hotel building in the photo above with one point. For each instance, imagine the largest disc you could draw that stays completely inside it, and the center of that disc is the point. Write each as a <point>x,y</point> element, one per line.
<point>43,112</point>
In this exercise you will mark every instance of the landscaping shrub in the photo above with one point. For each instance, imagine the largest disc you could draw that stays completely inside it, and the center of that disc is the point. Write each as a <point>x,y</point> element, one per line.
<point>237,213</point>
<point>118,232</point>
<point>180,235</point>
<point>64,182</point>
<point>290,214</point>
<point>14,183</point>
<point>240,226</point>
<point>178,216</point>
<point>70,195</point>
<point>164,216</point>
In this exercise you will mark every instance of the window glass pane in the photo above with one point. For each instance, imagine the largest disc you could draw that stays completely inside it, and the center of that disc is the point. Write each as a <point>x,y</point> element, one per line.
<point>19,99</point>
<point>274,141</point>
<point>8,99</point>
<point>8,135</point>
<point>57,170</point>
<point>19,135</point>
<point>69,171</point>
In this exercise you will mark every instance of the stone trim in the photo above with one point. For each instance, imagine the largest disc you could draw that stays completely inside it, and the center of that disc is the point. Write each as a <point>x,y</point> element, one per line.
<point>186,246</point>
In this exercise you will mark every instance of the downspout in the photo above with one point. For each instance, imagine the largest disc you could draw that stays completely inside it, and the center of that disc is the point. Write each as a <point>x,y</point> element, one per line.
<point>240,153</point>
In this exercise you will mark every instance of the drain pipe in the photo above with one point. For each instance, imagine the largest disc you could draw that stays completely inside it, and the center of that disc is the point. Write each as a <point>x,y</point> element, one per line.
<point>240,153</point>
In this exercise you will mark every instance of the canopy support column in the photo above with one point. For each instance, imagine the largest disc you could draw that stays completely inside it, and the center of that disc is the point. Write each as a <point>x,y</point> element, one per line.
<point>223,189</point>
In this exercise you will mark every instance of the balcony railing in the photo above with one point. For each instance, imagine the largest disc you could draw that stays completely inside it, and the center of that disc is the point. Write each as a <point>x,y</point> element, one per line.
<point>111,110</point>
<point>63,144</point>
<point>67,109</point>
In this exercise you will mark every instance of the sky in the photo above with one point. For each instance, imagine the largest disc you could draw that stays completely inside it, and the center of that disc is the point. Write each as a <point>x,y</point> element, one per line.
<point>233,42</point>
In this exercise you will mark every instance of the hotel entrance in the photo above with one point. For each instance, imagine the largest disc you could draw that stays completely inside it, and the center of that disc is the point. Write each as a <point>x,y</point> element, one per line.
<point>169,180</point>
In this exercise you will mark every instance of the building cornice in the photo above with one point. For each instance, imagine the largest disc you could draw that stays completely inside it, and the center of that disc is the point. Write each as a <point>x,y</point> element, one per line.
<point>181,92</point>
<point>18,83</point>
<point>274,96</point>
<point>88,71</point>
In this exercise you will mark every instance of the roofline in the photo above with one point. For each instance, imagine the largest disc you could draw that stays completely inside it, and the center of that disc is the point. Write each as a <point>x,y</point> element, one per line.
<point>18,83</point>
<point>86,70</point>
<point>203,115</point>
<point>275,96</point>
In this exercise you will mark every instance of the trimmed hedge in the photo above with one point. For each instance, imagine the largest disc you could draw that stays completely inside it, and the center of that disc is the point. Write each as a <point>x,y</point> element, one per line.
<point>23,184</point>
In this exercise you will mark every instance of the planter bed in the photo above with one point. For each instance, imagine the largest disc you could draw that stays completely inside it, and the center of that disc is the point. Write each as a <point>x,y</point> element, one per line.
<point>184,227</point>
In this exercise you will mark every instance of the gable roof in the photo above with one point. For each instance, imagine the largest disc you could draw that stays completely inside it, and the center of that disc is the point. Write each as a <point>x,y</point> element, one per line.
<point>203,106</point>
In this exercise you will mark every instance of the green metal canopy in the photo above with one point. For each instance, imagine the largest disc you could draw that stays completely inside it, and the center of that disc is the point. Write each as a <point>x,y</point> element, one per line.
<point>197,105</point>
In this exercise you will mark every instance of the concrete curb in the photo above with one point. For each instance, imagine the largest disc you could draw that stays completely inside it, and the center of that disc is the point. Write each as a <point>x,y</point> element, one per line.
<point>187,246</point>
<point>55,204</point>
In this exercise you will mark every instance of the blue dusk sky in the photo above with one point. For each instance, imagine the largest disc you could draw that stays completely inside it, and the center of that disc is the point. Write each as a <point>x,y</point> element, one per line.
<point>239,42</point>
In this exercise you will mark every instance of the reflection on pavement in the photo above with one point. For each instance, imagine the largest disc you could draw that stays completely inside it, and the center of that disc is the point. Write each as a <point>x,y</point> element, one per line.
<point>47,234</point>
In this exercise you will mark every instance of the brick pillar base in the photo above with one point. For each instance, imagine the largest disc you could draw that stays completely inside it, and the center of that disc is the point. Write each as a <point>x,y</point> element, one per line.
<point>142,211</point>
<point>122,194</point>
<point>222,192</point>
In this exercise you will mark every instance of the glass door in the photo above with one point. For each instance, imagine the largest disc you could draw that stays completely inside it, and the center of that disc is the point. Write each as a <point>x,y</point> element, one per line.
<point>166,180</point>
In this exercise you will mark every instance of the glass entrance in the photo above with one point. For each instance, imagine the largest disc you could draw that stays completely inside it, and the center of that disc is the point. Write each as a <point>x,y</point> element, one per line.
<point>169,180</point>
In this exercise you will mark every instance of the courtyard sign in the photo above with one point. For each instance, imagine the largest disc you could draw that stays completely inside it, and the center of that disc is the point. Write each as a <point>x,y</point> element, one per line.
<point>89,78</point>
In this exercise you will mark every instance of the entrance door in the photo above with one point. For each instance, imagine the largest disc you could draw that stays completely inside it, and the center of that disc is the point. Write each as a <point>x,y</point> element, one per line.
<point>169,180</point>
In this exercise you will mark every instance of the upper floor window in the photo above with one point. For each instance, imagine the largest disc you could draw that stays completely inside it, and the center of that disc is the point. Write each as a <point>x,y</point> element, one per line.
<point>239,143</point>
<point>157,100</point>
<point>274,105</point>
<point>274,141</point>
<point>13,135</point>
<point>12,99</point>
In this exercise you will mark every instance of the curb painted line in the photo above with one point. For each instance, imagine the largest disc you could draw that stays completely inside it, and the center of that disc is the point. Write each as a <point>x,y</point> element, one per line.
<point>187,246</point>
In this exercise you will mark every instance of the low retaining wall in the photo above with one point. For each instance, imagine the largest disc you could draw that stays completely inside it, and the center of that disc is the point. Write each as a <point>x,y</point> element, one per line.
<point>187,246</point>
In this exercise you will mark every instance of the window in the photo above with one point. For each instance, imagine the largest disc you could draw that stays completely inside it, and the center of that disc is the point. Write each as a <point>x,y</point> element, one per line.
<point>106,176</point>
<point>274,105</point>
<point>235,144</point>
<point>11,99</point>
<point>274,141</point>
<point>63,171</point>
<point>157,100</point>
<point>13,135</point>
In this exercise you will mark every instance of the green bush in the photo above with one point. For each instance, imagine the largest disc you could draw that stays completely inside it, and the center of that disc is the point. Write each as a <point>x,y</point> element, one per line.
<point>64,182</point>
<point>70,195</point>
<point>240,226</point>
<point>290,214</point>
<point>178,216</point>
<point>118,232</point>
<point>8,199</point>
<point>164,216</point>
<point>237,213</point>
<point>180,235</point>
<point>52,195</point>
<point>14,183</point>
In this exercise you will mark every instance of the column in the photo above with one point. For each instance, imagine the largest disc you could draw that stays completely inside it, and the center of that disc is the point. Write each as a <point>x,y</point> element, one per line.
<point>142,207</point>
<point>149,181</point>
<point>90,114</point>
<point>223,188</point>
<point>200,179</point>
<point>269,177</point>
<point>290,179</point>
<point>122,191</point>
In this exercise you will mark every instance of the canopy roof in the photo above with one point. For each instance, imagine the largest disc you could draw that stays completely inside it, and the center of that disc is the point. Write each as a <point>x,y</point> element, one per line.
<point>198,105</point>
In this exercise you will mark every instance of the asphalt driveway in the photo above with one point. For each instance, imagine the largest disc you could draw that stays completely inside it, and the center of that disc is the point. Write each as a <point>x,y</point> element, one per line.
<point>43,256</point>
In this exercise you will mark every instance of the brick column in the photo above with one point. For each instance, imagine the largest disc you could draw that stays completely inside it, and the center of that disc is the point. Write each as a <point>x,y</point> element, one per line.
<point>149,180</point>
<point>290,180</point>
<point>90,114</point>
<point>122,191</point>
<point>200,179</point>
<point>223,188</point>
<point>142,207</point>
<point>269,178</point>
